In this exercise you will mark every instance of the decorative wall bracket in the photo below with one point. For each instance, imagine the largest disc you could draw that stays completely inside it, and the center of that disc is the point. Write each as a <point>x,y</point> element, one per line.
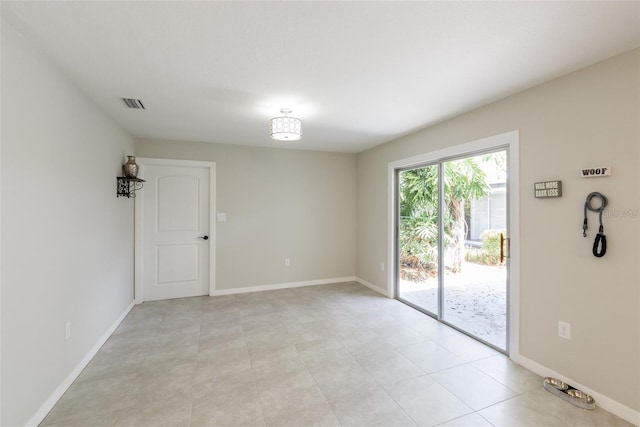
<point>127,187</point>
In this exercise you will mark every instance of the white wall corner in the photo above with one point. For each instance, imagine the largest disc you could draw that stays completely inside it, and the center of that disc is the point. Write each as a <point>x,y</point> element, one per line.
<point>373,287</point>
<point>606,403</point>
<point>66,383</point>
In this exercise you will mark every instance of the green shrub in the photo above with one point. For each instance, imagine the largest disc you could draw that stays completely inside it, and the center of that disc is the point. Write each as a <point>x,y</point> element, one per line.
<point>489,254</point>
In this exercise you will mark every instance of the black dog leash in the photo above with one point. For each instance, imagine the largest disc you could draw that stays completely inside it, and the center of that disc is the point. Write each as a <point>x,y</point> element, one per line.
<point>600,244</point>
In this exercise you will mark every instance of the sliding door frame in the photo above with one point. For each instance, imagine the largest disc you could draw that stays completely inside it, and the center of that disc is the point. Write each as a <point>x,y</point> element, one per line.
<point>508,141</point>
<point>440,226</point>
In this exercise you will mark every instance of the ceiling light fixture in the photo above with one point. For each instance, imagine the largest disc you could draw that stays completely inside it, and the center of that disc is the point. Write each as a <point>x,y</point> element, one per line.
<point>285,128</point>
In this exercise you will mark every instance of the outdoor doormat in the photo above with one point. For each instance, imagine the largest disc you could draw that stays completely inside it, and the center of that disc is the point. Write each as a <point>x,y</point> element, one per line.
<point>572,395</point>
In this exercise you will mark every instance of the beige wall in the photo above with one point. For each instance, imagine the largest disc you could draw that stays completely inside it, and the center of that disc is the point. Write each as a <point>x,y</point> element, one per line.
<point>67,241</point>
<point>280,204</point>
<point>588,118</point>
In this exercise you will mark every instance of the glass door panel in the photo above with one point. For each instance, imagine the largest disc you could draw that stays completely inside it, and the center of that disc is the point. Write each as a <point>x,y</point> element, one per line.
<point>418,237</point>
<point>474,289</point>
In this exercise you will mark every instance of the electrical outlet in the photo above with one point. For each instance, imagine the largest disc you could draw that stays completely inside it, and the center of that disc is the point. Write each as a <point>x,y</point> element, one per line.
<point>382,266</point>
<point>287,262</point>
<point>564,330</point>
<point>67,330</point>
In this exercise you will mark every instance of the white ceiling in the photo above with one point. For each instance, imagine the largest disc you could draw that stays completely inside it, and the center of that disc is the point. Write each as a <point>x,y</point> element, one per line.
<point>357,73</point>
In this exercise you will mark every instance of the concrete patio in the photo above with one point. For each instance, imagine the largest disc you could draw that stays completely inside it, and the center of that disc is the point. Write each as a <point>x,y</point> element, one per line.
<point>474,300</point>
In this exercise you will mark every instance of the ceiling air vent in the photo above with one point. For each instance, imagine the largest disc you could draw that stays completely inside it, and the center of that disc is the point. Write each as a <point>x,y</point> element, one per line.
<point>133,103</point>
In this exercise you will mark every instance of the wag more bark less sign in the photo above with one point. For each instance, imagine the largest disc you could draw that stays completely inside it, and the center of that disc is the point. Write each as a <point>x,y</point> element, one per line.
<point>548,189</point>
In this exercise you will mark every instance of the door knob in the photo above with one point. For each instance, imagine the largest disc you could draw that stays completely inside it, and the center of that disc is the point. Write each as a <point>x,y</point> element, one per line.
<point>203,237</point>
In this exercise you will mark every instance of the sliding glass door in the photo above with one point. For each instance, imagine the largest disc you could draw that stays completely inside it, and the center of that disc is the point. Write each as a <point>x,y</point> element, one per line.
<point>452,225</point>
<point>419,255</point>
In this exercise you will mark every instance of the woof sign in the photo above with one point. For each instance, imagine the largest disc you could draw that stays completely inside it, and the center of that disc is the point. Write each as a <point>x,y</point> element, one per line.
<point>595,172</point>
<point>547,189</point>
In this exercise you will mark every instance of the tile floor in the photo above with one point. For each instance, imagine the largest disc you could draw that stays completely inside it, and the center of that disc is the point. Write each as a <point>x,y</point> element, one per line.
<point>330,355</point>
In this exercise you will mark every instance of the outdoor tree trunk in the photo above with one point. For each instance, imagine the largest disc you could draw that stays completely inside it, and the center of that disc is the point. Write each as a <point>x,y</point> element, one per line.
<point>456,210</point>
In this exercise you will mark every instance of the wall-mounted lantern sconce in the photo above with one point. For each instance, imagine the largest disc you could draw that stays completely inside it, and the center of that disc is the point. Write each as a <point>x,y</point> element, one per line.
<point>129,183</point>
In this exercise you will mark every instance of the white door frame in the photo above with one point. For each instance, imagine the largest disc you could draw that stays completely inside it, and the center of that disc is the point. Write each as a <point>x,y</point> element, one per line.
<point>139,221</point>
<point>509,139</point>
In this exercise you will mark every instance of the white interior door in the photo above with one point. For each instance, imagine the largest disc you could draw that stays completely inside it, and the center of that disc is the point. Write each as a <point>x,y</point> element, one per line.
<point>176,231</point>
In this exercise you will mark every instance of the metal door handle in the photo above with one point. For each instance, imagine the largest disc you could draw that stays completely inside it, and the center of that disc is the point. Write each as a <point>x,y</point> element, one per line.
<point>203,237</point>
<point>501,248</point>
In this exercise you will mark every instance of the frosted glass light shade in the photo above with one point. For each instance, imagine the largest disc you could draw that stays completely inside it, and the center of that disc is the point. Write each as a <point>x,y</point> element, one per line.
<point>286,128</point>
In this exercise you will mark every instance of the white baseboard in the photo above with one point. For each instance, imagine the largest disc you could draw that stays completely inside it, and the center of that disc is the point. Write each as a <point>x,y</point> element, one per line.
<point>281,286</point>
<point>602,401</point>
<point>372,286</point>
<point>57,394</point>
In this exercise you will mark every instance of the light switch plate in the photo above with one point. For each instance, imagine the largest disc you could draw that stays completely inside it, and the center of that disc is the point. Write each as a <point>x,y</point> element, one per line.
<point>222,217</point>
